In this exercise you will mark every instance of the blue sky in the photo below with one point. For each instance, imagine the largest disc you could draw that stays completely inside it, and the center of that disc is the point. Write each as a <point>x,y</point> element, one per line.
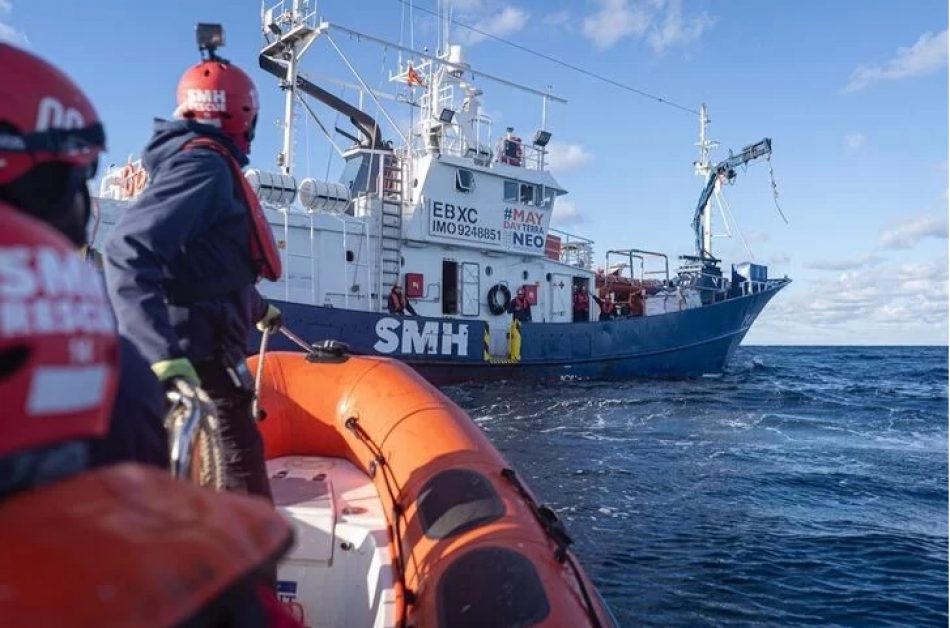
<point>853,93</point>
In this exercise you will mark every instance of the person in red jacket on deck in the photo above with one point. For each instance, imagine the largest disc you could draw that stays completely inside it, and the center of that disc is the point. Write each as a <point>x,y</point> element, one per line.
<point>606,306</point>
<point>398,303</point>
<point>520,307</point>
<point>581,304</point>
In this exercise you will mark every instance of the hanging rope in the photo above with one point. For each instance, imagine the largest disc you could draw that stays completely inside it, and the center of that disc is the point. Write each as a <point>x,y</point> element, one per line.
<point>775,190</point>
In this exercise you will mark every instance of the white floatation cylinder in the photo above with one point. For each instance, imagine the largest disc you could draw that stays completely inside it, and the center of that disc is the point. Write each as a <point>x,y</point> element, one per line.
<point>328,196</point>
<point>272,187</point>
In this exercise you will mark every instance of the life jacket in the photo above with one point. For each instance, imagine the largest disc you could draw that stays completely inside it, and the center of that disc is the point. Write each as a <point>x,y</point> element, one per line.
<point>263,248</point>
<point>395,303</point>
<point>636,303</point>
<point>581,301</point>
<point>128,545</point>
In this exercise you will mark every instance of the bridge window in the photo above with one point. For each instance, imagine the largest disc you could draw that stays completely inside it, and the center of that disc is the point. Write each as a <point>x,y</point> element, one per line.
<point>529,194</point>
<point>525,193</point>
<point>511,191</point>
<point>464,180</point>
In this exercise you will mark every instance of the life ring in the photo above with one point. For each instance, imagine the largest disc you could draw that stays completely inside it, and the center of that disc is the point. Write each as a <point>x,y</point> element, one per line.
<point>493,305</point>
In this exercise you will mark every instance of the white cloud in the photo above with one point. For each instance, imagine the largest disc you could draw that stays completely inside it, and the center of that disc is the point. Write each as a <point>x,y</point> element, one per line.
<point>846,263</point>
<point>615,20</point>
<point>855,141</point>
<point>563,157</point>
<point>908,233</point>
<point>661,22</point>
<point>675,30</point>
<point>927,55</point>
<point>566,213</point>
<point>914,294</point>
<point>508,20</point>
<point>9,33</point>
<point>780,258</point>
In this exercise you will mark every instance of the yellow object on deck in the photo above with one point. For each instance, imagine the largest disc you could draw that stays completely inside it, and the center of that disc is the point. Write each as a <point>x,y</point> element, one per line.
<point>514,341</point>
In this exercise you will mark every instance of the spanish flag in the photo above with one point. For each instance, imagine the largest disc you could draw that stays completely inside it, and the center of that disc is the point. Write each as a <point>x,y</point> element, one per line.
<point>413,78</point>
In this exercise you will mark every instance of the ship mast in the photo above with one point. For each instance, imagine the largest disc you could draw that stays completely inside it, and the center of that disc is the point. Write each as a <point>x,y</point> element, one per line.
<point>288,34</point>
<point>703,168</point>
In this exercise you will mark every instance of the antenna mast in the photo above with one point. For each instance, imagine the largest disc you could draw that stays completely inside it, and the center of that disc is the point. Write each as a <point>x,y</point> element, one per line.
<point>288,33</point>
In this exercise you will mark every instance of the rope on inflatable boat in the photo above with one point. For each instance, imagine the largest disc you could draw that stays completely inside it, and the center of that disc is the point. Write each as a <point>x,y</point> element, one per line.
<point>399,512</point>
<point>555,530</point>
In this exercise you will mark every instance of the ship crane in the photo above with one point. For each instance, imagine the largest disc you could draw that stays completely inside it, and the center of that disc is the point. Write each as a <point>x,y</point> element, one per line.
<point>724,171</point>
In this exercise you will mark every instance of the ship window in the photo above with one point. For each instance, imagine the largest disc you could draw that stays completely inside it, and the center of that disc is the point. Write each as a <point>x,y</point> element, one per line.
<point>464,180</point>
<point>529,193</point>
<point>549,195</point>
<point>511,191</point>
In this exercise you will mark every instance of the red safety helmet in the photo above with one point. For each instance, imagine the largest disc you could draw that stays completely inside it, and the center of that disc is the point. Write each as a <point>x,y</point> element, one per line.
<point>221,94</point>
<point>58,346</point>
<point>44,118</point>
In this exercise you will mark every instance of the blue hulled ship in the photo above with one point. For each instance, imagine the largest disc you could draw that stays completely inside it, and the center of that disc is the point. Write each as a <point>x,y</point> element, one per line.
<point>434,245</point>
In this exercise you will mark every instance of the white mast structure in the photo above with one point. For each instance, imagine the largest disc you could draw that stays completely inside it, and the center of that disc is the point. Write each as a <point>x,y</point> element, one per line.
<point>702,168</point>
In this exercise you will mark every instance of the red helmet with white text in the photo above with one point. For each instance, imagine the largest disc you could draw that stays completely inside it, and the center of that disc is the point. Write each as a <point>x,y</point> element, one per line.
<point>50,141</point>
<point>58,348</point>
<point>221,94</point>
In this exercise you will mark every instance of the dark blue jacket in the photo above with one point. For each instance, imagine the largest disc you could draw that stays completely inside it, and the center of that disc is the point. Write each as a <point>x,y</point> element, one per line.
<point>178,270</point>
<point>137,425</point>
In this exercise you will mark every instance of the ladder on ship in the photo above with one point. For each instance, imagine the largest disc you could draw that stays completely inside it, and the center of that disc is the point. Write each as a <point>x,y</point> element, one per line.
<point>390,234</point>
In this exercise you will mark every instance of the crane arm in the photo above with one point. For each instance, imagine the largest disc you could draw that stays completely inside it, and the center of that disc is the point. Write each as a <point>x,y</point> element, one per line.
<point>725,168</point>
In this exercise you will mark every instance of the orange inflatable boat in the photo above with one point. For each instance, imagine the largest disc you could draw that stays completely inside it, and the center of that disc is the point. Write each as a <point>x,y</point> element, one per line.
<point>405,514</point>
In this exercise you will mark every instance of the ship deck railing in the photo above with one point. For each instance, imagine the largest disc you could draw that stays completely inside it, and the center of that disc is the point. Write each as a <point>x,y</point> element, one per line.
<point>575,250</point>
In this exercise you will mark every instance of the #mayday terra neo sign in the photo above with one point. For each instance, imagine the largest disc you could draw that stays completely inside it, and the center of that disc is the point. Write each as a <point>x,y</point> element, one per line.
<point>511,227</point>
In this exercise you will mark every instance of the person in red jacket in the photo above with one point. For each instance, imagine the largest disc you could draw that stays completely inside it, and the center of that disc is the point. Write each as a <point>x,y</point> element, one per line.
<point>398,303</point>
<point>606,305</point>
<point>520,307</point>
<point>120,545</point>
<point>581,304</point>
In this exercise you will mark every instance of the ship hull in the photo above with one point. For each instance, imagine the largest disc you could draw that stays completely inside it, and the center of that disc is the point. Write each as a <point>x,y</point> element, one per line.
<point>689,343</point>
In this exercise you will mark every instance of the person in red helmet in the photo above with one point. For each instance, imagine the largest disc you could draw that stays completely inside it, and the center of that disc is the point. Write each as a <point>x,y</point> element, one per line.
<point>84,535</point>
<point>50,141</point>
<point>182,262</point>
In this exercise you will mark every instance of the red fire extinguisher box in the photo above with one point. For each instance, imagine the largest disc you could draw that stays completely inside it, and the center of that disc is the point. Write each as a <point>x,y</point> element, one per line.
<point>531,293</point>
<point>415,285</point>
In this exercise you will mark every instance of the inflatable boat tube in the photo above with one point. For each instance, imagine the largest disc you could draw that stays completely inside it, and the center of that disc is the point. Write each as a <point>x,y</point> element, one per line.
<point>463,541</point>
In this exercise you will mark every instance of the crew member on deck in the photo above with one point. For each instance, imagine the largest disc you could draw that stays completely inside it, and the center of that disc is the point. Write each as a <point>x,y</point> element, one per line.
<point>398,303</point>
<point>606,306</point>
<point>636,302</point>
<point>581,304</point>
<point>520,307</point>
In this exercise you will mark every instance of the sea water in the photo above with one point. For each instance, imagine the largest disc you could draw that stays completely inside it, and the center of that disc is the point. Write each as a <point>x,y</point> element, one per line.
<point>803,486</point>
